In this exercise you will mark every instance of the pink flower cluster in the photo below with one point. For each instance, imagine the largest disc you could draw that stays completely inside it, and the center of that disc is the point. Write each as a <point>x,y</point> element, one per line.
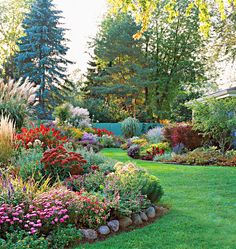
<point>41,216</point>
<point>52,208</point>
<point>9,215</point>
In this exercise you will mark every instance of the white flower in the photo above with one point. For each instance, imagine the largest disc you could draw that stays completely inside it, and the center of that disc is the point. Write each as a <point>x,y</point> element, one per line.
<point>37,142</point>
<point>29,144</point>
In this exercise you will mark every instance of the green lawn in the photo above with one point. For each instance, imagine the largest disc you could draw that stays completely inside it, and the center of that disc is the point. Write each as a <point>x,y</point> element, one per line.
<point>202,203</point>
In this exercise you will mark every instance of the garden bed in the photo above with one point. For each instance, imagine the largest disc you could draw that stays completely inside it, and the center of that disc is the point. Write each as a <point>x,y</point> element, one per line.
<point>58,191</point>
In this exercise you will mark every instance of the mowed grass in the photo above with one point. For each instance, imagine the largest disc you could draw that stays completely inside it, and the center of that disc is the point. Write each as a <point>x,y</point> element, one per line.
<point>202,202</point>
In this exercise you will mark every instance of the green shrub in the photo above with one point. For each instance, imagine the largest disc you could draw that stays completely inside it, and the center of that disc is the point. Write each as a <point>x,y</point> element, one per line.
<point>30,165</point>
<point>135,188</point>
<point>199,156</point>
<point>164,157</point>
<point>64,236</point>
<point>152,188</point>
<point>124,199</point>
<point>107,141</point>
<point>216,120</point>
<point>62,113</point>
<point>104,163</point>
<point>91,182</point>
<point>22,240</point>
<point>130,127</point>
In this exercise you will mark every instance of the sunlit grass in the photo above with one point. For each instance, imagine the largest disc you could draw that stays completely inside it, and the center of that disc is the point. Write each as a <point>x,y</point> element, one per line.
<point>202,215</point>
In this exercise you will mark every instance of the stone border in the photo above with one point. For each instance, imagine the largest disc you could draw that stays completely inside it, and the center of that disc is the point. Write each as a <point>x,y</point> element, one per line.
<point>123,224</point>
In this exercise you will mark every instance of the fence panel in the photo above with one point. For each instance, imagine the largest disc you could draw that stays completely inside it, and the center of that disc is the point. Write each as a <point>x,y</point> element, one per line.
<point>116,127</point>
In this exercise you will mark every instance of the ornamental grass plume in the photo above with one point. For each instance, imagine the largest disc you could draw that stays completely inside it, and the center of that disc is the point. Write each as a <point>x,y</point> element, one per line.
<point>17,100</point>
<point>18,91</point>
<point>7,132</point>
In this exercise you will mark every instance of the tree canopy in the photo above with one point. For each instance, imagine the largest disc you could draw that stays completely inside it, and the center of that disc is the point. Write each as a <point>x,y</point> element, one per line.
<point>144,76</point>
<point>12,13</point>
<point>144,10</point>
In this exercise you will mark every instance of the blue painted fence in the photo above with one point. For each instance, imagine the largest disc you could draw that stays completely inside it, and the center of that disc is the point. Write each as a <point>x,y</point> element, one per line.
<point>116,127</point>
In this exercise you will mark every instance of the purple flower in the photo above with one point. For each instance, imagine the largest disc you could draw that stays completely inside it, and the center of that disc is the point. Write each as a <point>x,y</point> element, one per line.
<point>89,138</point>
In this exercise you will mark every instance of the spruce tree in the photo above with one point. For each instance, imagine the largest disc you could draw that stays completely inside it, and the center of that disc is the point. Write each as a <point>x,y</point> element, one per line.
<point>42,54</point>
<point>119,70</point>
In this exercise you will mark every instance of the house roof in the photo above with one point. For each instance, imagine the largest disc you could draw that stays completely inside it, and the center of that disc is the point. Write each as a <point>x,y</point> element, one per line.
<point>230,92</point>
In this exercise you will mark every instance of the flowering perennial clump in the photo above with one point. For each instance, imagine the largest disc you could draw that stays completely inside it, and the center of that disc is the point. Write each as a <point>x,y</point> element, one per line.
<point>93,210</point>
<point>101,132</point>
<point>58,161</point>
<point>49,137</point>
<point>89,138</point>
<point>56,207</point>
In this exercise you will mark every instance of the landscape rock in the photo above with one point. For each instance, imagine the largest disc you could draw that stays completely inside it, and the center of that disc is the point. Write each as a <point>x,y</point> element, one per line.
<point>89,234</point>
<point>136,219</point>
<point>150,212</point>
<point>156,208</point>
<point>143,216</point>
<point>104,230</point>
<point>125,222</point>
<point>161,210</point>
<point>114,225</point>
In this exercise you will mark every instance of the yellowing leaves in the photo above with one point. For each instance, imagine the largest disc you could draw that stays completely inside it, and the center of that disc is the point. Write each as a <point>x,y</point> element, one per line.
<point>143,10</point>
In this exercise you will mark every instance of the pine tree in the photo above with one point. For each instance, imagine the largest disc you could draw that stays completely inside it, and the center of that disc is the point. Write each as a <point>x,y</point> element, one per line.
<point>119,70</point>
<point>42,54</point>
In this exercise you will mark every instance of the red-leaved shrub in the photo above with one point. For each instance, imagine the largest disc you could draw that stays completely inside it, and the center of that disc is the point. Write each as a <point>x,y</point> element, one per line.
<point>59,162</point>
<point>182,133</point>
<point>155,151</point>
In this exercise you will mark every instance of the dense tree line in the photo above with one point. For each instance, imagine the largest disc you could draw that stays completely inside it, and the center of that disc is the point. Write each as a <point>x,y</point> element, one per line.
<point>145,77</point>
<point>147,59</point>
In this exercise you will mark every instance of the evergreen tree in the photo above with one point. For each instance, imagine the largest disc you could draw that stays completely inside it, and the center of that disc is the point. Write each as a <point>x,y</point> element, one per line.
<point>119,72</point>
<point>42,54</point>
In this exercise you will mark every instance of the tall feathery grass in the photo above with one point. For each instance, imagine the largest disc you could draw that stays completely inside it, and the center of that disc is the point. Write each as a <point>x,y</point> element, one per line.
<point>18,91</point>
<point>7,132</point>
<point>17,99</point>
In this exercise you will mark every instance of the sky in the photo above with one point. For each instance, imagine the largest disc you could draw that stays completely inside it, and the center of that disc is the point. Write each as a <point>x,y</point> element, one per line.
<point>82,18</point>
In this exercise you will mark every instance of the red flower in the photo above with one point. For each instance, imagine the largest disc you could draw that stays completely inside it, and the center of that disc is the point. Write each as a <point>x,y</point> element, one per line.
<point>49,137</point>
<point>101,132</point>
<point>59,161</point>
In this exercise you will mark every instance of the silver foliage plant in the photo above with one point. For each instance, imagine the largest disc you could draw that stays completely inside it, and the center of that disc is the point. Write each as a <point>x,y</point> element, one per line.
<point>155,135</point>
